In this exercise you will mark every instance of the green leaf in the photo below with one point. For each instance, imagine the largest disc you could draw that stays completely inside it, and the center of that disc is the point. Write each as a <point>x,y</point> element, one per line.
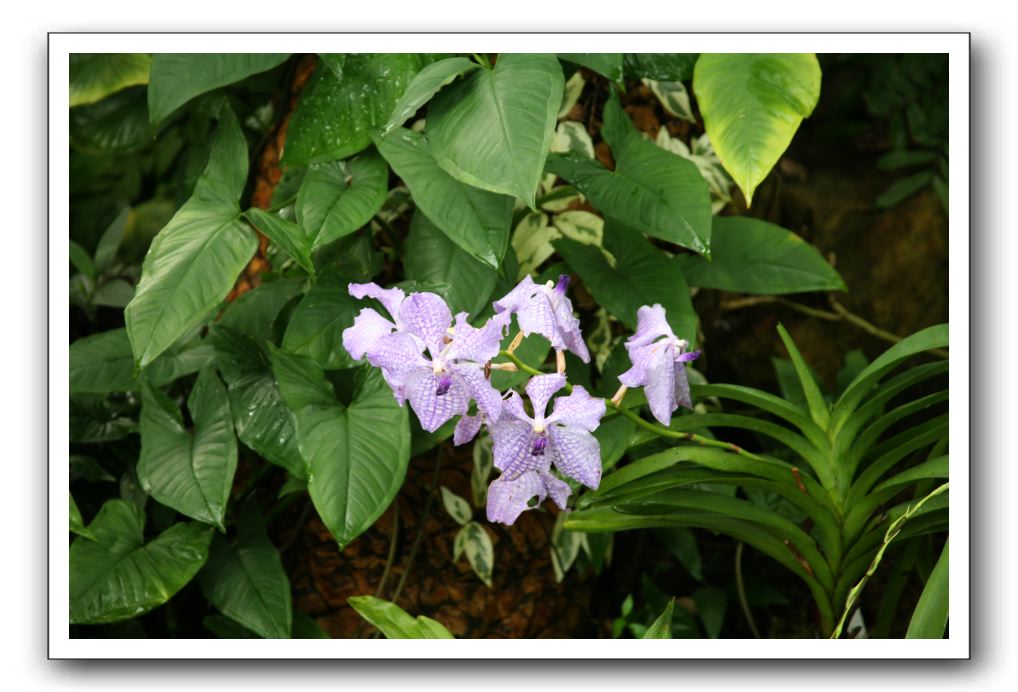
<point>902,189</point>
<point>94,76</point>
<point>681,543</point>
<point>339,197</point>
<point>176,78</point>
<point>261,417</point>
<point>607,64</point>
<point>929,619</point>
<point>117,123</point>
<point>356,455</point>
<point>115,293</point>
<point>492,130</point>
<point>246,580</point>
<point>662,627</point>
<point>81,260</point>
<point>661,67</point>
<point>753,256</point>
<point>286,235</point>
<point>336,118</point>
<point>457,507</point>
<point>109,242</point>
<point>652,190</point>
<point>429,256</point>
<point>476,220</point>
<point>75,523</point>
<point>102,363</point>
<point>642,275</point>
<point>304,627</point>
<point>317,324</point>
<point>192,474</point>
<point>710,605</point>
<point>195,260</point>
<point>473,540</point>
<point>614,436</point>
<point>253,313</point>
<point>752,104</point>
<point>425,85</point>
<point>227,628</point>
<point>818,408</point>
<point>396,623</point>
<point>118,576</point>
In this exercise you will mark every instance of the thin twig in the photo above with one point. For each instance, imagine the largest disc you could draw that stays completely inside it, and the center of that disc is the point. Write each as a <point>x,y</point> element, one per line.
<point>741,588</point>
<point>840,314</point>
<point>420,528</point>
<point>392,550</point>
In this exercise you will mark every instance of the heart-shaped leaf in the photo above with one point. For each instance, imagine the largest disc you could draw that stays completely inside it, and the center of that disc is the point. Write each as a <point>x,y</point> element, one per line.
<point>492,129</point>
<point>246,581</point>
<point>429,256</point>
<point>176,78</point>
<point>286,235</point>
<point>194,261</point>
<point>261,417</point>
<point>425,85</point>
<point>642,275</point>
<point>651,190</point>
<point>317,324</point>
<point>752,104</point>
<point>356,455</point>
<point>476,220</point>
<point>661,67</point>
<point>339,197</point>
<point>607,64</point>
<point>118,576</point>
<point>753,256</point>
<point>192,474</point>
<point>336,118</point>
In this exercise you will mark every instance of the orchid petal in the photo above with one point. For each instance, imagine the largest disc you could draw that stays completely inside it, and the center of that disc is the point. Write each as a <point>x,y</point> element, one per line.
<point>433,410</point>
<point>512,447</point>
<point>426,316</point>
<point>508,498</point>
<point>478,344</point>
<point>557,489</point>
<point>489,401</point>
<point>368,327</point>
<point>660,385</point>
<point>577,454</point>
<point>579,409</point>
<point>540,389</point>
<point>466,429</point>
<point>390,298</point>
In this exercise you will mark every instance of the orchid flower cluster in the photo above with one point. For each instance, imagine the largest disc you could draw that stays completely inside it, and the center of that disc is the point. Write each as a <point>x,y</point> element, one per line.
<point>440,367</point>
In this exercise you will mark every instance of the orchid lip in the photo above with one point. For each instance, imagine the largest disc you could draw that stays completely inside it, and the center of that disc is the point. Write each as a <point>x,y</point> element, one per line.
<point>444,382</point>
<point>563,284</point>
<point>540,443</point>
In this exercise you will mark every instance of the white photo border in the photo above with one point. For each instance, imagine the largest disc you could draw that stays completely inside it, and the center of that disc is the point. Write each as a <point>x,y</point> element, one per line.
<point>955,646</point>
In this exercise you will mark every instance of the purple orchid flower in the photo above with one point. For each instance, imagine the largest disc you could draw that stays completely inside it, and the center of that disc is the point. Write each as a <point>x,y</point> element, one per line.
<point>437,369</point>
<point>658,360</point>
<point>546,310</point>
<point>369,326</point>
<point>525,447</point>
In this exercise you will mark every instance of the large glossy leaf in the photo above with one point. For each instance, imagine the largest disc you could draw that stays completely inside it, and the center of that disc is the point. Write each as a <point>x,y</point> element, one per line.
<point>356,455</point>
<point>317,324</point>
<point>176,78</point>
<point>102,363</point>
<point>476,220</point>
<point>339,197</point>
<point>336,118</point>
<point>246,581</point>
<point>425,85</point>
<point>117,123</point>
<point>261,418</point>
<point>661,67</point>
<point>194,261</point>
<point>607,64</point>
<point>396,623</point>
<point>642,275</point>
<point>75,522</point>
<point>492,129</point>
<point>286,235</point>
<point>652,190</point>
<point>752,104</point>
<point>118,576</point>
<point>430,256</point>
<point>254,312</point>
<point>753,256</point>
<point>94,76</point>
<point>662,626</point>
<point>192,473</point>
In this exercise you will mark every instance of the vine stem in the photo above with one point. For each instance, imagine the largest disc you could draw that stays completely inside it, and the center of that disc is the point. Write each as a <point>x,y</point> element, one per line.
<point>741,587</point>
<point>658,430</point>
